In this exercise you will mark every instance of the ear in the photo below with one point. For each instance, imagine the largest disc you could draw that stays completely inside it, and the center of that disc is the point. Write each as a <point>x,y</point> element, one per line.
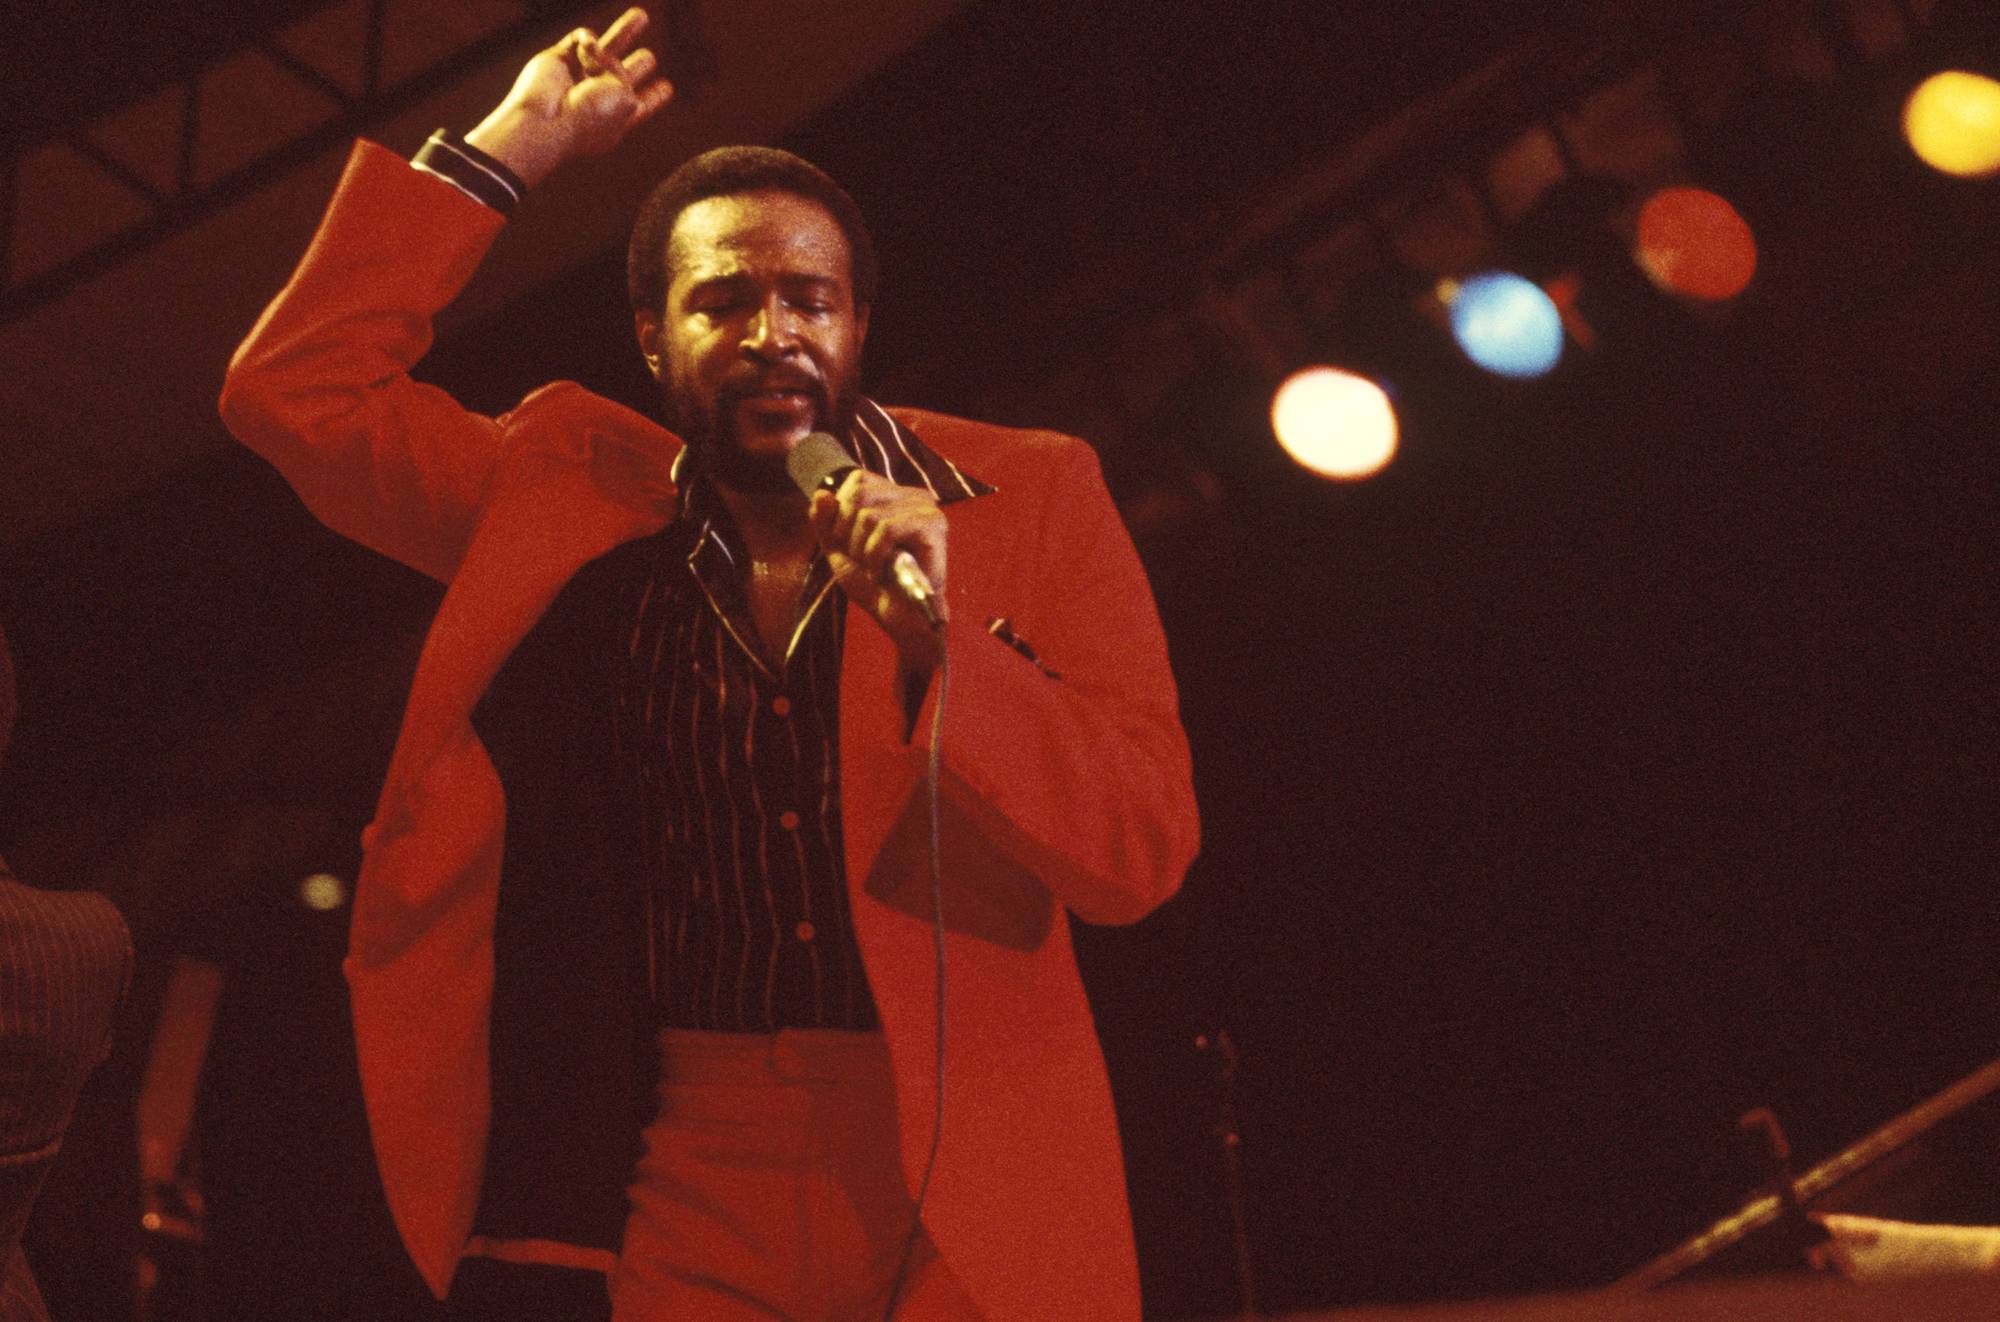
<point>860,324</point>
<point>646,326</point>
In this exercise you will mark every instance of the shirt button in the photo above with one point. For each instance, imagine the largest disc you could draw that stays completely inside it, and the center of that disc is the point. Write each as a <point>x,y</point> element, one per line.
<point>805,931</point>
<point>781,705</point>
<point>789,820</point>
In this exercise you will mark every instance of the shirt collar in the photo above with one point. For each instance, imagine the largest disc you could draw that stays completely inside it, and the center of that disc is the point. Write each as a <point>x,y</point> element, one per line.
<point>706,535</point>
<point>886,448</point>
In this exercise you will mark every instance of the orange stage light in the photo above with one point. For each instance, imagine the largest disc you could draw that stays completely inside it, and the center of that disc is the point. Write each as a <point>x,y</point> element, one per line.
<point>1334,423</point>
<point>1694,243</point>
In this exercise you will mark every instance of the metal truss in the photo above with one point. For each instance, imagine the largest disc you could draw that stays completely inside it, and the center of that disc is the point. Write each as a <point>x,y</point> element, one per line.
<point>1624,99</point>
<point>85,198</point>
<point>1619,91</point>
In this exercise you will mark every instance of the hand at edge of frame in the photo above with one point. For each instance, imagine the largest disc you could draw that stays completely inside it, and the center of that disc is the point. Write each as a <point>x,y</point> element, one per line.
<point>579,97</point>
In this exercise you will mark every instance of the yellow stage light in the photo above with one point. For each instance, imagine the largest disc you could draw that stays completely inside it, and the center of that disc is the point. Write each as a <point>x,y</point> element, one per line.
<point>323,891</point>
<point>1953,123</point>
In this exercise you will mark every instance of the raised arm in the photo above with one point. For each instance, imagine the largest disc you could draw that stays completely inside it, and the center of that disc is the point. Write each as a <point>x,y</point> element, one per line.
<point>321,385</point>
<point>580,97</point>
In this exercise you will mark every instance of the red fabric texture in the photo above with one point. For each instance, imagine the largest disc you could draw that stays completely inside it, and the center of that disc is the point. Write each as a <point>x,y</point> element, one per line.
<point>771,1186</point>
<point>1072,793</point>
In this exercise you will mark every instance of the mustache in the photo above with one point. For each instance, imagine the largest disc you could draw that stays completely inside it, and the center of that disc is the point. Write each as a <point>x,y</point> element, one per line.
<point>745,384</point>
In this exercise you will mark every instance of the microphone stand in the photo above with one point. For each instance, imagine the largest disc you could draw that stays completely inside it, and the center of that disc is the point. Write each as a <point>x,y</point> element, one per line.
<point>1228,1134</point>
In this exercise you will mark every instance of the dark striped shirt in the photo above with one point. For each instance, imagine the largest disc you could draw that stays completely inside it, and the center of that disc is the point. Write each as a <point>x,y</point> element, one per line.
<point>735,766</point>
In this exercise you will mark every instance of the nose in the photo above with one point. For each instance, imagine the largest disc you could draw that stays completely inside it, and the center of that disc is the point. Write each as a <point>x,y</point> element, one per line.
<point>770,333</point>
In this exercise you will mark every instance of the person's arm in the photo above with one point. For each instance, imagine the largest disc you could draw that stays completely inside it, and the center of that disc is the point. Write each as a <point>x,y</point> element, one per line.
<point>1079,759</point>
<point>1867,1248</point>
<point>167,1090</point>
<point>1075,764</point>
<point>174,1061</point>
<point>320,387</point>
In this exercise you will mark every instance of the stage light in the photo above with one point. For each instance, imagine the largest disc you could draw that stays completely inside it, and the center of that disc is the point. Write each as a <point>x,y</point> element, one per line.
<point>1334,423</point>
<point>1505,323</point>
<point>323,891</point>
<point>1953,123</point>
<point>1693,242</point>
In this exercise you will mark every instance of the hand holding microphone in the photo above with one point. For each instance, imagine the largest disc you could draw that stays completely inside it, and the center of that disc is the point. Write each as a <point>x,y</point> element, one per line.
<point>884,542</point>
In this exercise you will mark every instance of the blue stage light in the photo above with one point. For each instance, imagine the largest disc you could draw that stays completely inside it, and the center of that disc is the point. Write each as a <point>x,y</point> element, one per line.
<point>1507,325</point>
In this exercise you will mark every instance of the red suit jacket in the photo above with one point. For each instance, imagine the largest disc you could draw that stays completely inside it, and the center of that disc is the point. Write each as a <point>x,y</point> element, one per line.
<point>1070,793</point>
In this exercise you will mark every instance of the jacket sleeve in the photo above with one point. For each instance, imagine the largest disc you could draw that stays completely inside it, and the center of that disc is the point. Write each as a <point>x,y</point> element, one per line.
<point>1075,762</point>
<point>321,385</point>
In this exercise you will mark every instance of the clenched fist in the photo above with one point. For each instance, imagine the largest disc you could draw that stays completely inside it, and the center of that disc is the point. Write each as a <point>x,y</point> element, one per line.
<point>860,527</point>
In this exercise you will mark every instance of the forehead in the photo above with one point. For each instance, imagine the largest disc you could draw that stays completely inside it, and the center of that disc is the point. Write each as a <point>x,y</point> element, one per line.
<point>764,232</point>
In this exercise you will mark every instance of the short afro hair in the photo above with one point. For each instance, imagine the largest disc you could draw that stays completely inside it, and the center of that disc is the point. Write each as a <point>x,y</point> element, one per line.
<point>723,172</point>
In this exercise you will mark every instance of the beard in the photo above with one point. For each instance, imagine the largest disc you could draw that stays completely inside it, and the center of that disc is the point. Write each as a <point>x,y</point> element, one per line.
<point>714,445</point>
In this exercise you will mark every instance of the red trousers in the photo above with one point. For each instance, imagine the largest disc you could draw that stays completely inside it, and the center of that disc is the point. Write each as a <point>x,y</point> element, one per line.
<point>771,1189</point>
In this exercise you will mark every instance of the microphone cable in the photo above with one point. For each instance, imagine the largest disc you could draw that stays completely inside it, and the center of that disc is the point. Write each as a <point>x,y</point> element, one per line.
<point>935,778</point>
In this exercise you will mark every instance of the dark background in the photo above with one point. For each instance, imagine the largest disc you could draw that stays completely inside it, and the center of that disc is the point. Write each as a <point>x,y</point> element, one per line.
<point>1620,758</point>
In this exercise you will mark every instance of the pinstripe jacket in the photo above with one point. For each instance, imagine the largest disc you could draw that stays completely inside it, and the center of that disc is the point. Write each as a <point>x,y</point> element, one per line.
<point>65,959</point>
<point>1061,794</point>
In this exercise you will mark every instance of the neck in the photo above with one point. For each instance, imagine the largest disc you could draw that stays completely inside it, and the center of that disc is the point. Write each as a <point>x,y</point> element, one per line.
<point>770,522</point>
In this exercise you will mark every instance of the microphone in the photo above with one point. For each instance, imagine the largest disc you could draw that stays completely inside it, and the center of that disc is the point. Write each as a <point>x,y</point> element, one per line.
<point>818,463</point>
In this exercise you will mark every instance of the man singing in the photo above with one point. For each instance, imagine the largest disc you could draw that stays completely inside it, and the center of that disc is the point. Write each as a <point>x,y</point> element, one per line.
<point>644,961</point>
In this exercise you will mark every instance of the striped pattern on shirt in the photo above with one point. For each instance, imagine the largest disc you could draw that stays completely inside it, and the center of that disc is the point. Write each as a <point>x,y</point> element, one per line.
<point>735,765</point>
<point>65,962</point>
